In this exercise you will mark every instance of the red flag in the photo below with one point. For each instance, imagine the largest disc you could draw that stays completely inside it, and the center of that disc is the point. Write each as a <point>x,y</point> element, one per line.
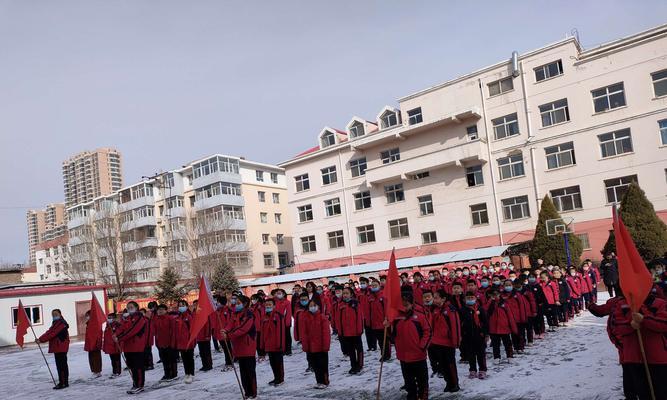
<point>635,278</point>
<point>204,309</point>
<point>97,319</point>
<point>22,325</point>
<point>392,290</point>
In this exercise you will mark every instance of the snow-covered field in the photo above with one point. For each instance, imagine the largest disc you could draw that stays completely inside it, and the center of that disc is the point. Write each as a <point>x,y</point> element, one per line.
<point>577,362</point>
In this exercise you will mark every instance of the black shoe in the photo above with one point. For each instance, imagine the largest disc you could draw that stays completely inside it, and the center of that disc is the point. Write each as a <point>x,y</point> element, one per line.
<point>150,368</point>
<point>272,382</point>
<point>452,389</point>
<point>402,388</point>
<point>202,369</point>
<point>59,386</point>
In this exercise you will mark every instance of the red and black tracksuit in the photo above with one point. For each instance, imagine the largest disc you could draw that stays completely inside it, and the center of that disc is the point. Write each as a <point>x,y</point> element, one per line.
<point>284,307</point>
<point>574,284</point>
<point>520,308</point>
<point>224,314</point>
<point>474,329</point>
<point>564,298</point>
<point>273,343</point>
<point>182,323</point>
<point>375,321</point>
<point>411,335</point>
<point>165,335</point>
<point>241,332</point>
<point>350,327</point>
<point>204,345</point>
<point>446,337</point>
<point>94,352</point>
<point>315,342</point>
<point>551,297</point>
<point>58,337</point>
<point>132,338</point>
<point>111,348</point>
<point>501,327</point>
<point>540,301</point>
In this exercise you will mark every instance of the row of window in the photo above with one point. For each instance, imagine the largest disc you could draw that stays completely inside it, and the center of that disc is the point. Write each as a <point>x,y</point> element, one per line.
<point>280,238</point>
<point>261,196</point>
<point>277,218</point>
<point>214,164</point>
<point>259,176</point>
<point>283,259</point>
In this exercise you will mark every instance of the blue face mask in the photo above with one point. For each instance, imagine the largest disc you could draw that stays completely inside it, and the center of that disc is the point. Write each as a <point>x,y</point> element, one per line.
<point>508,288</point>
<point>496,283</point>
<point>375,289</point>
<point>428,303</point>
<point>238,307</point>
<point>471,302</point>
<point>313,309</point>
<point>485,284</point>
<point>347,300</point>
<point>304,302</point>
<point>319,291</point>
<point>466,273</point>
<point>532,280</point>
<point>363,286</point>
<point>182,309</point>
<point>232,301</point>
<point>56,318</point>
<point>268,310</point>
<point>109,320</point>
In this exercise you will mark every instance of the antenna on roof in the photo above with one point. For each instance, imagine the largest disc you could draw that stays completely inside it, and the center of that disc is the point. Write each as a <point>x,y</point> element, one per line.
<point>575,32</point>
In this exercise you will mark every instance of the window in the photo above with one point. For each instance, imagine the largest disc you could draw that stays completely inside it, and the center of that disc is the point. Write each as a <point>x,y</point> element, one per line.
<point>415,116</point>
<point>261,196</point>
<point>268,260</point>
<point>474,176</point>
<point>308,244</point>
<point>332,207</point>
<point>617,187</point>
<point>479,214</point>
<point>389,156</point>
<point>280,238</point>
<point>34,314</point>
<point>429,237</point>
<point>259,176</point>
<point>329,175</point>
<point>277,217</point>
<point>265,238</point>
<point>217,189</point>
<point>554,113</point>
<point>511,166</point>
<point>358,166</point>
<point>274,178</point>
<point>472,133</point>
<point>548,70</point>
<point>425,205</point>
<point>283,258</point>
<point>302,182</point>
<point>362,200</point>
<point>615,143</point>
<point>501,86</point>
<point>388,119</point>
<point>608,98</point>
<point>659,83</point>
<point>263,218</point>
<point>276,198</point>
<point>506,126</point>
<point>420,175</point>
<point>585,242</point>
<point>328,139</point>
<point>515,208</point>
<point>366,234</point>
<point>663,131</point>
<point>357,129</point>
<point>394,193</point>
<point>305,213</point>
<point>560,155</point>
<point>567,199</point>
<point>336,239</point>
<point>212,165</point>
<point>398,228</point>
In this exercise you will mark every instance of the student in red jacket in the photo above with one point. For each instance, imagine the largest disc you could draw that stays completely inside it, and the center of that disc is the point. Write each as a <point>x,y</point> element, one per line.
<point>350,328</point>
<point>284,307</point>
<point>501,325</point>
<point>516,305</point>
<point>257,308</point>
<point>446,337</point>
<point>299,311</point>
<point>552,299</point>
<point>94,351</point>
<point>182,323</point>
<point>574,282</point>
<point>362,298</point>
<point>273,340</point>
<point>110,347</point>
<point>316,341</point>
<point>58,337</point>
<point>163,330</point>
<point>204,342</point>
<point>148,352</point>
<point>474,333</point>
<point>132,337</point>
<point>411,334</point>
<point>337,299</point>
<point>376,315</point>
<point>224,314</point>
<point>240,330</point>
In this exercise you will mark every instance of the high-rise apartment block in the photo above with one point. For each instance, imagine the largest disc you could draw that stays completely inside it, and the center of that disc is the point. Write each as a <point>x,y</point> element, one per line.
<point>91,174</point>
<point>44,225</point>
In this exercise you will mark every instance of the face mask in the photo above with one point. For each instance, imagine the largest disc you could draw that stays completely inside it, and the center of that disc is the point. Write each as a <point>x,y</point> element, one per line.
<point>573,274</point>
<point>268,310</point>
<point>279,296</point>
<point>431,278</point>
<point>363,286</point>
<point>87,319</point>
<point>496,283</point>
<point>474,272</point>
<point>466,273</point>
<point>253,302</point>
<point>339,295</point>
<point>109,320</point>
<point>511,267</point>
<point>428,303</point>
<point>232,301</point>
<point>375,289</point>
<point>125,315</point>
<point>313,309</point>
<point>131,311</point>
<point>531,280</point>
<point>304,302</point>
<point>347,300</point>
<point>319,291</point>
<point>470,302</point>
<point>56,318</point>
<point>550,268</point>
<point>485,284</point>
<point>491,270</point>
<point>503,267</point>
<point>182,309</point>
<point>238,307</point>
<point>508,288</point>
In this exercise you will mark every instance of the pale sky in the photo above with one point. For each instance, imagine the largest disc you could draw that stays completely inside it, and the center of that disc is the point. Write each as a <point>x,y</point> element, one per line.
<point>166,82</point>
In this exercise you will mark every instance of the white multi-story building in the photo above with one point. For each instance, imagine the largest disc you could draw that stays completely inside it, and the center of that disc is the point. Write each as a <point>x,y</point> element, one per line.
<point>464,164</point>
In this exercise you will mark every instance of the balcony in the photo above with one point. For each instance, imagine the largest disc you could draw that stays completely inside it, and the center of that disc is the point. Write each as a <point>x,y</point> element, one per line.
<point>148,242</point>
<point>136,203</point>
<point>138,223</point>
<point>77,221</point>
<point>451,156</point>
<point>219,200</point>
<point>176,212</point>
<point>218,176</point>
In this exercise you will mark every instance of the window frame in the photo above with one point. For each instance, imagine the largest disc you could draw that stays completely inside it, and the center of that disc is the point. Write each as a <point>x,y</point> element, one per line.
<point>607,95</point>
<point>567,193</point>
<point>512,164</point>
<point>557,153</point>
<point>612,139</point>
<point>259,175</point>
<point>425,203</point>
<point>302,180</point>
<point>660,81</point>
<point>305,211</point>
<point>545,70</point>
<point>338,237</point>
<point>615,188</point>
<point>524,207</point>
<point>432,237</point>
<point>30,314</point>
<point>474,172</point>
<point>361,197</point>
<point>329,173</point>
<point>662,130</point>
<point>415,116</point>
<point>477,214</point>
<point>400,225</point>
<point>330,205</point>
<point>360,165</point>
<point>501,89</point>
<point>311,242</point>
<point>395,191</point>
<point>390,156</point>
<point>552,110</point>
<point>472,133</point>
<point>505,122</point>
<point>366,231</point>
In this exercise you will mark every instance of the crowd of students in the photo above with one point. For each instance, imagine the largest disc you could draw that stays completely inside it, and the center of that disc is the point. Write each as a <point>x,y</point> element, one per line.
<point>465,308</point>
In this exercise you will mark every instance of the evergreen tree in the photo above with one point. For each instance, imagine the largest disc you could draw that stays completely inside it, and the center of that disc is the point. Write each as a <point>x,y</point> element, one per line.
<point>551,249</point>
<point>647,230</point>
<point>166,289</point>
<point>610,245</point>
<point>223,279</point>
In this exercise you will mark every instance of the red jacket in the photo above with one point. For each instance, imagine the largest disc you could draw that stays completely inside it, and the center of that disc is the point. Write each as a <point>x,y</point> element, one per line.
<point>241,333</point>
<point>164,329</point>
<point>133,334</point>
<point>272,338</point>
<point>298,322</point>
<point>411,335</point>
<point>223,315</point>
<point>376,311</point>
<point>258,313</point>
<point>586,282</point>
<point>92,346</point>
<point>501,320</point>
<point>109,346</point>
<point>284,307</point>
<point>335,311</point>
<point>418,291</point>
<point>518,305</point>
<point>445,326</point>
<point>182,323</point>
<point>530,298</point>
<point>204,334</point>
<point>316,333</point>
<point>57,336</point>
<point>574,282</point>
<point>550,289</point>
<point>350,321</point>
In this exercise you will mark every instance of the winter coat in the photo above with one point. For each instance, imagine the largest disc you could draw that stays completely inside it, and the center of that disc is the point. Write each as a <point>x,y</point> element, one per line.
<point>241,332</point>
<point>298,322</point>
<point>350,321</point>
<point>376,311</point>
<point>418,291</point>
<point>445,326</point>
<point>609,269</point>
<point>538,294</point>
<point>563,290</point>
<point>550,290</point>
<point>530,299</point>
<point>473,328</point>
<point>220,321</point>
<point>133,334</point>
<point>574,283</point>
<point>109,346</point>
<point>501,320</point>
<point>164,330</point>
<point>87,346</point>
<point>284,307</point>
<point>316,333</point>
<point>272,328</point>
<point>411,335</point>
<point>182,323</point>
<point>57,336</point>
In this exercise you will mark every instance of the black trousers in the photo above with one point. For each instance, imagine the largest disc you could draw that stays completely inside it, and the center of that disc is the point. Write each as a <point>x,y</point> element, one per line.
<point>610,289</point>
<point>529,329</point>
<point>519,339</point>
<point>258,340</point>
<point>445,359</point>
<point>371,339</point>
<point>415,375</point>
<point>320,364</point>
<point>507,343</point>
<point>62,368</point>
<point>95,361</point>
<point>227,348</point>
<point>288,340</point>
<point>433,359</point>
<point>248,376</point>
<point>277,366</point>
<point>551,312</point>
<point>379,334</point>
<point>216,345</point>
<point>116,367</point>
<point>148,357</point>
<point>635,384</point>
<point>188,358</point>
<point>355,349</point>
<point>205,355</point>
<point>475,347</point>
<point>168,357</point>
<point>136,362</point>
<point>561,312</point>
<point>538,321</point>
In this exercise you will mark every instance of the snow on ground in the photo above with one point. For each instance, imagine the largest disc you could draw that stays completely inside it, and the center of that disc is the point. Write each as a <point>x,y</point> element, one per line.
<point>577,362</point>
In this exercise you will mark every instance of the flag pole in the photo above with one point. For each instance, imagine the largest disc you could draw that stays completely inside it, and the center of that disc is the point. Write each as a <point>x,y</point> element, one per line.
<point>43,356</point>
<point>232,355</point>
<point>384,346</point>
<point>648,373</point>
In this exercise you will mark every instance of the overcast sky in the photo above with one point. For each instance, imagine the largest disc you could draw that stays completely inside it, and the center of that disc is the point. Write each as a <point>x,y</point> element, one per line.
<point>166,82</point>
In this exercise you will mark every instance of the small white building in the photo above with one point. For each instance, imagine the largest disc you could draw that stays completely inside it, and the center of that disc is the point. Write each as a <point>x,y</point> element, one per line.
<point>39,300</point>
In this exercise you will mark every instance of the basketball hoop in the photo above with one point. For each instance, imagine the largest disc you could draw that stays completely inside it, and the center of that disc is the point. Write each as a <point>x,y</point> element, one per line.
<point>559,226</point>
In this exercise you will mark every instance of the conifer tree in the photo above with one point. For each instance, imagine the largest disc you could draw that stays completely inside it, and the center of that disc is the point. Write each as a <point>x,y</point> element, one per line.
<point>223,279</point>
<point>166,288</point>
<point>647,230</point>
<point>551,249</point>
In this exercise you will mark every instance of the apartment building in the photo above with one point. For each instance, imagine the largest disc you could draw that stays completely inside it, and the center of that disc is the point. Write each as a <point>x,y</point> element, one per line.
<point>191,218</point>
<point>91,174</point>
<point>52,259</point>
<point>465,163</point>
<point>44,226</point>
